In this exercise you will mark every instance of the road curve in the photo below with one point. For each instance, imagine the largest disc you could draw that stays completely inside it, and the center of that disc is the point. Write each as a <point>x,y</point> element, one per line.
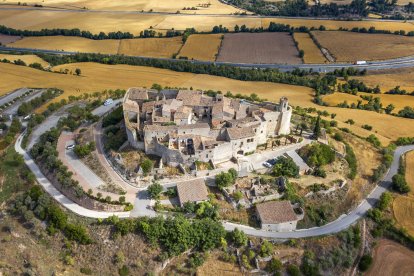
<point>403,62</point>
<point>342,222</point>
<point>338,225</point>
<point>56,194</point>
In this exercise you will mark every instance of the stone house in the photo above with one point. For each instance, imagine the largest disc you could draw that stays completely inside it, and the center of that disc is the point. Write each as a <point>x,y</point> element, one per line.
<point>277,216</point>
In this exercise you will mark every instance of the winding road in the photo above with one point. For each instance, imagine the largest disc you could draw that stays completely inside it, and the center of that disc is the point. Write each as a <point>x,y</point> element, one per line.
<point>338,225</point>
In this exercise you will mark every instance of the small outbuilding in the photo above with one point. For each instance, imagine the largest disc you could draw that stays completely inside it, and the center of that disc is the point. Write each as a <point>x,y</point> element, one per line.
<point>277,216</point>
<point>192,191</point>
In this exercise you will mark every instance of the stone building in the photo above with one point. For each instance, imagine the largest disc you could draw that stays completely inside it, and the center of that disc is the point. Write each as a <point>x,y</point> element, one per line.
<point>277,216</point>
<point>182,126</point>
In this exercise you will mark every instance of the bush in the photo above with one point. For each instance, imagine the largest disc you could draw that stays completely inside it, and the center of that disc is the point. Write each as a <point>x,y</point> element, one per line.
<point>384,201</point>
<point>155,190</point>
<point>352,162</point>
<point>365,263</point>
<point>293,270</point>
<point>86,271</point>
<point>225,179</point>
<point>374,140</point>
<point>238,238</point>
<point>275,265</point>
<point>317,154</point>
<point>319,172</point>
<point>84,150</point>
<point>400,184</point>
<point>123,271</point>
<point>146,166</point>
<point>285,166</point>
<point>196,260</point>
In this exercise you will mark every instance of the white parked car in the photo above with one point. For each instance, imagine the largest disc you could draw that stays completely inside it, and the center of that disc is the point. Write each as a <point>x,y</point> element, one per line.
<point>70,147</point>
<point>267,165</point>
<point>108,102</point>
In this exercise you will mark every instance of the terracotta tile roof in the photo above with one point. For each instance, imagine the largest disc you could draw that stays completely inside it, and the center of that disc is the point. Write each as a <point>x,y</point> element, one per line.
<point>192,191</point>
<point>240,132</point>
<point>189,97</point>
<point>273,212</point>
<point>138,93</point>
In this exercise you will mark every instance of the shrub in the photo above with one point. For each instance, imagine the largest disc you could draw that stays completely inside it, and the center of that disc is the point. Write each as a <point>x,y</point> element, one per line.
<point>146,166</point>
<point>293,270</point>
<point>365,263</point>
<point>384,201</point>
<point>274,265</point>
<point>338,137</point>
<point>86,271</point>
<point>285,167</point>
<point>374,140</point>
<point>196,260</point>
<point>400,184</point>
<point>123,271</point>
<point>238,237</point>
<point>352,162</point>
<point>155,190</point>
<point>225,179</point>
<point>317,154</point>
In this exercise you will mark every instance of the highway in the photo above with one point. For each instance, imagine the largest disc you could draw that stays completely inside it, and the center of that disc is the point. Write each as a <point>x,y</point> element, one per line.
<point>403,62</point>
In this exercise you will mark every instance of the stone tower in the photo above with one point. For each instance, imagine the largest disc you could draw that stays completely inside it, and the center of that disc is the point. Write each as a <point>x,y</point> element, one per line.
<point>283,104</point>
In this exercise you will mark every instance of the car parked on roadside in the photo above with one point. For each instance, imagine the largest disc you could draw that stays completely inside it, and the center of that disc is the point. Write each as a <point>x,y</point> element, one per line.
<point>267,165</point>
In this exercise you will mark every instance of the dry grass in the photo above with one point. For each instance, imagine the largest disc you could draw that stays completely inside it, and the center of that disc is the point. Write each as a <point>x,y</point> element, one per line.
<point>388,79</point>
<point>216,7</point>
<point>391,258</point>
<point>201,47</point>
<point>69,43</point>
<point>28,59</point>
<point>98,77</point>
<point>400,101</point>
<point>350,46</point>
<point>214,266</point>
<point>403,206</point>
<point>336,24</point>
<point>151,47</point>
<point>312,52</point>
<point>368,159</point>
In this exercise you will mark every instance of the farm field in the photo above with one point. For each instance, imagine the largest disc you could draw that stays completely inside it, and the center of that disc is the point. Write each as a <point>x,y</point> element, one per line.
<point>215,6</point>
<point>350,46</point>
<point>98,77</point>
<point>151,47</point>
<point>403,206</point>
<point>312,52</point>
<point>399,101</point>
<point>69,43</point>
<point>259,48</point>
<point>391,258</point>
<point>134,23</point>
<point>388,79</point>
<point>28,59</point>
<point>6,39</point>
<point>201,47</point>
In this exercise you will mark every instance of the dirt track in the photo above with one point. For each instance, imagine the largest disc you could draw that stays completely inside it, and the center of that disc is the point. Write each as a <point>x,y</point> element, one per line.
<point>259,48</point>
<point>391,258</point>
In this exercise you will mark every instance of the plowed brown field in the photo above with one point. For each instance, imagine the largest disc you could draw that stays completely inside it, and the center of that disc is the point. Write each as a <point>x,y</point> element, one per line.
<point>259,48</point>
<point>391,258</point>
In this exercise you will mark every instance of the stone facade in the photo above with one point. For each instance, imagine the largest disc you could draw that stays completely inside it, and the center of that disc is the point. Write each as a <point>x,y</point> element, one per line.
<point>182,126</point>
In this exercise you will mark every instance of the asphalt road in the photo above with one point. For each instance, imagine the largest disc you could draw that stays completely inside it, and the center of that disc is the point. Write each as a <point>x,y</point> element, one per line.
<point>404,62</point>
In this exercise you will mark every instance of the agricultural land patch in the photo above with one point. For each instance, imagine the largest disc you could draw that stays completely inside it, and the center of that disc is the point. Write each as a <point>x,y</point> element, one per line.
<point>259,48</point>
<point>312,53</point>
<point>201,47</point>
<point>350,46</point>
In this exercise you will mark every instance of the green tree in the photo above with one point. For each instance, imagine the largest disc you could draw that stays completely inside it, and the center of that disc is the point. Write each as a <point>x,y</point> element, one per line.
<point>317,127</point>
<point>285,166</point>
<point>384,201</point>
<point>365,263</point>
<point>155,190</point>
<point>78,71</point>
<point>275,265</point>
<point>238,237</point>
<point>146,166</point>
<point>293,270</point>
<point>400,184</point>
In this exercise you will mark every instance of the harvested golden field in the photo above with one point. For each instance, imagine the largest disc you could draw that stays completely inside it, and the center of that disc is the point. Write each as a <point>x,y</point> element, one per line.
<point>312,52</point>
<point>214,266</point>
<point>93,22</point>
<point>202,47</point>
<point>28,59</point>
<point>399,101</point>
<point>69,43</point>
<point>388,79</point>
<point>97,77</point>
<point>350,46</point>
<point>215,7</point>
<point>336,24</point>
<point>391,258</point>
<point>409,170</point>
<point>151,47</point>
<point>403,208</point>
